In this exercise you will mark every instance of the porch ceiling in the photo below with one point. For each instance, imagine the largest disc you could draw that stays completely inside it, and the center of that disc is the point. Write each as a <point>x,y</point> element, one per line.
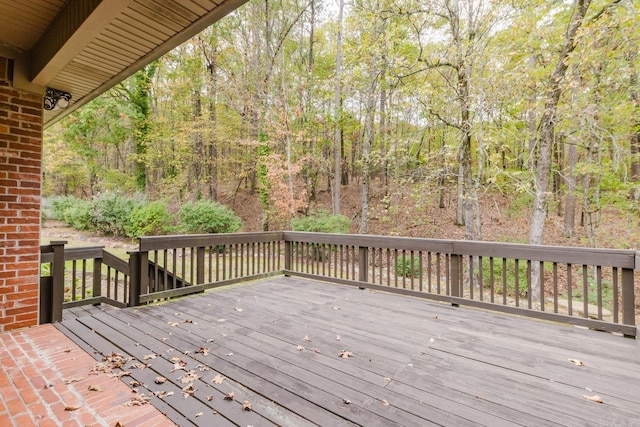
<point>85,47</point>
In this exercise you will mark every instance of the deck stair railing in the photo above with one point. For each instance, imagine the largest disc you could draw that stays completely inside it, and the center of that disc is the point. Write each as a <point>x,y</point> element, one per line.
<point>595,288</point>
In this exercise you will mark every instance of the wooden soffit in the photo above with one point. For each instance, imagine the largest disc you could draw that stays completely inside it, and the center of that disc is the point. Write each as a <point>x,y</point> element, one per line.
<point>85,47</point>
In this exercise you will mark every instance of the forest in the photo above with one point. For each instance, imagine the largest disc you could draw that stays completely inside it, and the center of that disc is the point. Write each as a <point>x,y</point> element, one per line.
<point>396,108</point>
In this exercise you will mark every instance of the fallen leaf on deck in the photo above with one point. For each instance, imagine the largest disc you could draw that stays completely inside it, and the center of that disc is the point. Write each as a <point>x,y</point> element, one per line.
<point>345,354</point>
<point>204,350</point>
<point>432,340</point>
<point>160,380</point>
<point>229,354</point>
<point>387,379</point>
<point>384,402</point>
<point>164,339</point>
<point>180,364</point>
<point>199,414</point>
<point>173,323</point>
<point>138,366</point>
<point>316,350</point>
<point>436,317</point>
<point>149,356</point>
<point>218,379</point>
<point>119,424</point>
<point>299,348</point>
<point>347,401</point>
<point>337,337</point>
<point>306,338</point>
<point>577,362</point>
<point>72,407</point>
<point>203,368</point>
<point>222,320</point>
<point>238,309</point>
<point>119,375</point>
<point>229,396</point>
<point>188,321</point>
<point>188,391</point>
<point>138,400</point>
<point>67,350</point>
<point>594,398</point>
<point>161,393</point>
<point>189,377</point>
<point>209,397</point>
<point>135,383</point>
<point>336,308</point>
<point>73,380</point>
<point>246,405</point>
<point>175,359</point>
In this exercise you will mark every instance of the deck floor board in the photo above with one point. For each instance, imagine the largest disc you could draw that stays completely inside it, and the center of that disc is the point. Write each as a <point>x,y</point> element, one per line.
<point>415,362</point>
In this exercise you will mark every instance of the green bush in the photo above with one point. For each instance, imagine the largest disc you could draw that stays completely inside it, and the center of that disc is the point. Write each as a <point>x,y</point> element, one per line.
<point>405,267</point>
<point>111,211</point>
<point>148,219</point>
<point>60,204</point>
<point>206,216</point>
<point>322,222</point>
<point>79,215</point>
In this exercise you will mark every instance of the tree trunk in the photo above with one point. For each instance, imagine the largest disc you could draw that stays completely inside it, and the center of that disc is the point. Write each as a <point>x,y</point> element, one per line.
<point>337,137</point>
<point>570,183</point>
<point>547,125</point>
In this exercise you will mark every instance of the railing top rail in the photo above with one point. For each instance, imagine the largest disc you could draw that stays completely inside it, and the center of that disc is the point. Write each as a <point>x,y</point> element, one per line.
<point>71,254</point>
<point>571,255</point>
<point>203,240</point>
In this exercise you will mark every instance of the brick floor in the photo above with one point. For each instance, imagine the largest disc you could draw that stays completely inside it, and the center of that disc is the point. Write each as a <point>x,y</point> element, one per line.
<point>36,363</point>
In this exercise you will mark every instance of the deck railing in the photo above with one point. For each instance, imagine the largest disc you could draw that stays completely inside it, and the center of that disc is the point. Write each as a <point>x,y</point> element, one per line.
<point>595,288</point>
<point>80,276</point>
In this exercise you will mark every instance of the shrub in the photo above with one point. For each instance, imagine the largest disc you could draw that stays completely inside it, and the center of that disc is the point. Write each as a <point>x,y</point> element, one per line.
<point>79,215</point>
<point>322,222</point>
<point>60,204</point>
<point>206,216</point>
<point>405,267</point>
<point>148,219</point>
<point>111,213</point>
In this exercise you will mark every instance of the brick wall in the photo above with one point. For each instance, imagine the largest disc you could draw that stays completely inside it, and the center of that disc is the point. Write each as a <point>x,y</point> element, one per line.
<point>20,181</point>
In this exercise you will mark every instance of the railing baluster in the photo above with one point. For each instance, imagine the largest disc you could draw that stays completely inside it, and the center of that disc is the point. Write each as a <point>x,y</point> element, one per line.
<point>585,290</point>
<point>570,289</point>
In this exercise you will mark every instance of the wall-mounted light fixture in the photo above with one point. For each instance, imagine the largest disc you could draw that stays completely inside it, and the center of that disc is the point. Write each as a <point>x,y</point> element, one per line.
<point>56,99</point>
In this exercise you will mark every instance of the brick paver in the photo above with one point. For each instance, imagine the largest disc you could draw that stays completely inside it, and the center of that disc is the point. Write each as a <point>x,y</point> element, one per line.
<point>44,375</point>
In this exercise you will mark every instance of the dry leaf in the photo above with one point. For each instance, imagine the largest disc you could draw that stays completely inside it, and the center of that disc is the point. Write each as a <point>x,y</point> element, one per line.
<point>347,401</point>
<point>387,379</point>
<point>336,308</point>
<point>384,402</point>
<point>175,359</point>
<point>577,362</point>
<point>204,350</point>
<point>239,310</point>
<point>209,397</point>
<point>71,408</point>
<point>222,320</point>
<point>199,414</point>
<point>135,383</point>
<point>306,338</point>
<point>123,374</point>
<point>299,348</point>
<point>173,323</point>
<point>436,317</point>
<point>345,354</point>
<point>594,398</point>
<point>189,377</point>
<point>160,380</point>
<point>188,390</point>
<point>164,339</point>
<point>218,379</point>
<point>67,350</point>
<point>138,400</point>
<point>180,364</point>
<point>337,337</point>
<point>149,356</point>
<point>316,350</point>
<point>432,340</point>
<point>229,396</point>
<point>119,424</point>
<point>72,380</point>
<point>188,321</point>
<point>246,405</point>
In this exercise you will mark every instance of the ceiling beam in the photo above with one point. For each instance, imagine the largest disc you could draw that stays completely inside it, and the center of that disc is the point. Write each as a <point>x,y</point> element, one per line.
<point>77,24</point>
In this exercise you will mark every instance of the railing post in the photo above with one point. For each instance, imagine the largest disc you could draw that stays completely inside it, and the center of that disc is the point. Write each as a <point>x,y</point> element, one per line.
<point>287,256</point>
<point>200,265</point>
<point>456,276</point>
<point>57,276</point>
<point>135,278</point>
<point>628,297</point>
<point>363,264</point>
<point>97,277</point>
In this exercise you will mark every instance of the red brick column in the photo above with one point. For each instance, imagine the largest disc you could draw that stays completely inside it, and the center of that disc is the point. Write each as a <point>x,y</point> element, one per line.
<point>20,182</point>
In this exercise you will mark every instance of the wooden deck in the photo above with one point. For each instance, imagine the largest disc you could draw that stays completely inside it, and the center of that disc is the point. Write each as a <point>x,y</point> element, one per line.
<point>278,344</point>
